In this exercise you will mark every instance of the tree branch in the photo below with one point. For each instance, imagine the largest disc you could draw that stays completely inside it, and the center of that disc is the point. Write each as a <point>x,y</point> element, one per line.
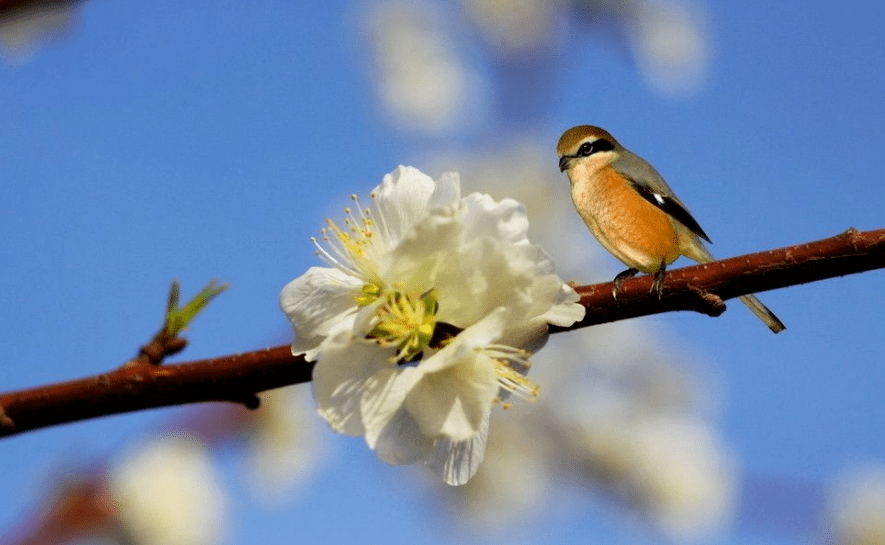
<point>702,288</point>
<point>141,385</point>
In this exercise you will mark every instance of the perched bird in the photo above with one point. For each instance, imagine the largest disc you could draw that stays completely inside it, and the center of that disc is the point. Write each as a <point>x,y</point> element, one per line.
<point>632,211</point>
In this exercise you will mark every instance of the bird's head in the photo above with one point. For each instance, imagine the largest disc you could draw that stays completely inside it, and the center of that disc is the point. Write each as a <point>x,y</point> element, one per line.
<point>586,143</point>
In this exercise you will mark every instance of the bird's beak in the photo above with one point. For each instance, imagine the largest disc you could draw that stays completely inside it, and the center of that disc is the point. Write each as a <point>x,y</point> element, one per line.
<point>564,163</point>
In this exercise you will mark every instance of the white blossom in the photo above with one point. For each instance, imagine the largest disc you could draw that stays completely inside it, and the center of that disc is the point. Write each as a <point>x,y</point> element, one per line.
<point>670,45</point>
<point>167,493</point>
<point>857,507</point>
<point>282,449</point>
<point>425,318</point>
<point>423,83</point>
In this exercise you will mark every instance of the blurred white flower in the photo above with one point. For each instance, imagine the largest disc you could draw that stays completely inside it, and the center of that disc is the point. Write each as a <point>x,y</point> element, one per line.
<point>857,507</point>
<point>516,484</point>
<point>670,45</point>
<point>637,433</point>
<point>683,474</point>
<point>668,39</point>
<point>514,25</point>
<point>283,447</point>
<point>423,84</point>
<point>167,493</point>
<point>429,277</point>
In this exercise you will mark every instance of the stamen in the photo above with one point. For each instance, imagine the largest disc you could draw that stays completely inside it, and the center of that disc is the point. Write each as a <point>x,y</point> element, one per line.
<point>382,224</point>
<point>356,247</point>
<point>346,254</point>
<point>511,366</point>
<point>370,294</point>
<point>330,260</point>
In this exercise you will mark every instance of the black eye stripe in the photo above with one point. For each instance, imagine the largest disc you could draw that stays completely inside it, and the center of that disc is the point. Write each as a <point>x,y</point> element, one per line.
<point>589,148</point>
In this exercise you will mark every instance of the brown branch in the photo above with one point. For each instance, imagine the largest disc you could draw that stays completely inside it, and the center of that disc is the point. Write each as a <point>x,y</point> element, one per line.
<point>702,288</point>
<point>138,386</point>
<point>135,387</point>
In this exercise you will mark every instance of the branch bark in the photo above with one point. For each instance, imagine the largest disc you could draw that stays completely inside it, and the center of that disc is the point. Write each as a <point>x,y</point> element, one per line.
<point>136,386</point>
<point>702,288</point>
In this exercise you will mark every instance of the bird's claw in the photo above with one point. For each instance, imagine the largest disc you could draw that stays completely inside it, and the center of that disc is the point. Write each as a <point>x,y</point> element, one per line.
<point>658,284</point>
<point>619,279</point>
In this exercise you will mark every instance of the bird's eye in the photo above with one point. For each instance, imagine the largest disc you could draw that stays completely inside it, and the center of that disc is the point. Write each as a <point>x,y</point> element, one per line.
<point>589,148</point>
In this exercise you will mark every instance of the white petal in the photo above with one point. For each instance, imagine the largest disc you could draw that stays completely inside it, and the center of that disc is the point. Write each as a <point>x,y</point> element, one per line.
<point>505,221</point>
<point>551,300</point>
<point>315,302</point>
<point>401,442</point>
<point>476,279</point>
<point>415,263</point>
<point>530,335</point>
<point>458,384</point>
<point>457,462</point>
<point>566,310</point>
<point>401,199</point>
<point>344,372</point>
<point>447,192</point>
<point>453,402</point>
<point>383,396</point>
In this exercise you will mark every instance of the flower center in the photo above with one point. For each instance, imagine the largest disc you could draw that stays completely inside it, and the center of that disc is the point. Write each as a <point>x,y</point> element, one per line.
<point>405,322</point>
<point>369,294</point>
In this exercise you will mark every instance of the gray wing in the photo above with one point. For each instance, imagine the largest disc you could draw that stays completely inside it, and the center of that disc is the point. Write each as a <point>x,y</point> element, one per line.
<point>651,186</point>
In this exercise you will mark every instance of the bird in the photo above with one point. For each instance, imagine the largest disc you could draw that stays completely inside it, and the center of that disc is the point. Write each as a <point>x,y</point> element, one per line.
<point>632,211</point>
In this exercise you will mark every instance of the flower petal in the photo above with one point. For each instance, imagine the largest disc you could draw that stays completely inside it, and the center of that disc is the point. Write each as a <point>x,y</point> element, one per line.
<point>505,221</point>
<point>566,310</point>
<point>400,441</point>
<point>455,462</point>
<point>414,264</point>
<point>384,394</point>
<point>315,302</point>
<point>481,276</point>
<point>344,372</point>
<point>401,199</point>
<point>453,402</point>
<point>447,192</point>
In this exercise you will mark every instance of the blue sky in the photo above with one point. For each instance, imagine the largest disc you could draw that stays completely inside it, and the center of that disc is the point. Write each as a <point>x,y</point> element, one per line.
<point>209,140</point>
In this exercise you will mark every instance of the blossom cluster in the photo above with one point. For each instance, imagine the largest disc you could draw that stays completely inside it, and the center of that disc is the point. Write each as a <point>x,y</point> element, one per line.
<point>425,318</point>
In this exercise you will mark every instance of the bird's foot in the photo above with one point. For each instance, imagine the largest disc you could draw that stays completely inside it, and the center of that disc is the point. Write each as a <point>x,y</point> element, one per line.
<point>619,279</point>
<point>658,284</point>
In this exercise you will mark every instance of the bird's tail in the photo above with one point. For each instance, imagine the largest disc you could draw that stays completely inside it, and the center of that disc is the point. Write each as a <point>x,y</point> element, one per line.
<point>700,253</point>
<point>762,312</point>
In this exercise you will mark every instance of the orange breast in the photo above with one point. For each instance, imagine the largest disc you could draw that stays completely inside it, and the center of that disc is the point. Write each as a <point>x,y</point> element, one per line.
<point>634,230</point>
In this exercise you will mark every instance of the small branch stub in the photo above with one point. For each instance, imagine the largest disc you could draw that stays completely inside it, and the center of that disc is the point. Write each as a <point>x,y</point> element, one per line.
<point>166,341</point>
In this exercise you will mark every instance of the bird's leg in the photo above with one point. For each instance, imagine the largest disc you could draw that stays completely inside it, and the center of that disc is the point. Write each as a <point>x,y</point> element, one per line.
<point>658,284</point>
<point>629,273</point>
